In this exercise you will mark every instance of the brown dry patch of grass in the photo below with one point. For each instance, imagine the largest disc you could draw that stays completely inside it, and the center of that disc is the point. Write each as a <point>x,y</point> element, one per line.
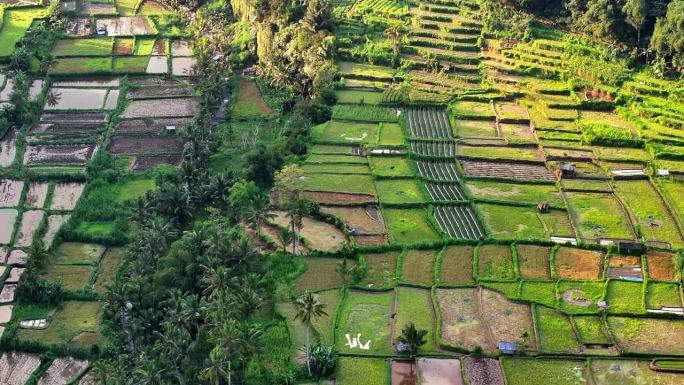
<point>534,261</point>
<point>418,267</point>
<point>624,261</point>
<point>320,274</point>
<point>357,218</point>
<point>507,320</point>
<point>381,269</point>
<point>318,235</point>
<point>648,335</point>
<point>579,264</point>
<point>457,266</point>
<point>460,323</point>
<point>661,266</point>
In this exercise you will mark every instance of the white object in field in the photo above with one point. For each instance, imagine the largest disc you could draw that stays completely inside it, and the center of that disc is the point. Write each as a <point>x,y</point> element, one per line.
<point>629,172</point>
<point>355,342</point>
<point>34,324</point>
<point>663,172</point>
<point>562,240</point>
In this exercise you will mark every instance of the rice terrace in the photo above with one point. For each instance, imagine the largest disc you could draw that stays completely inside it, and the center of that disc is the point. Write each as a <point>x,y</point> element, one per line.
<point>342,192</point>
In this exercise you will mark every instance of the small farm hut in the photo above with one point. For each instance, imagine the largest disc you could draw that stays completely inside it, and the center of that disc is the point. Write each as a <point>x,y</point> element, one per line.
<point>508,348</point>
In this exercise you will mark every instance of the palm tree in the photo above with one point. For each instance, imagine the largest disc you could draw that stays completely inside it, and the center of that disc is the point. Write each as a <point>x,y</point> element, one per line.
<point>396,33</point>
<point>412,337</point>
<point>309,308</point>
<point>53,98</point>
<point>218,369</point>
<point>297,209</point>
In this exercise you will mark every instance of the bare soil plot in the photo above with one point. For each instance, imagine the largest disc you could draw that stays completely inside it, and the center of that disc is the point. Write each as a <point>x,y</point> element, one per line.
<point>143,163</point>
<point>645,335</point>
<point>77,99</point>
<point>157,65</point>
<point>180,48</point>
<point>59,154</point>
<point>6,314</point>
<point>16,367</point>
<point>7,293</point>
<point>126,26</point>
<point>534,261</point>
<point>578,264</point>
<point>3,258</point>
<point>418,267</point>
<point>159,47</point>
<point>370,240</point>
<point>112,100</point>
<point>507,320</point>
<point>171,90</point>
<point>434,371</point>
<point>54,223</point>
<point>625,267</point>
<point>404,373</point>
<point>17,257</point>
<point>63,370</point>
<point>36,195</point>
<point>318,235</point>
<point>183,66</point>
<point>30,221</point>
<point>68,117</point>
<point>360,220</point>
<point>150,126</point>
<point>320,273</point>
<point>484,371</point>
<point>457,266</point>
<point>381,269</point>
<point>10,192</point>
<point>627,372</point>
<point>15,275</point>
<point>461,324</point>
<point>134,144</point>
<point>518,171</point>
<point>7,219</point>
<point>161,108</point>
<point>8,148</point>
<point>89,379</point>
<point>96,9</point>
<point>323,197</point>
<point>66,195</point>
<point>495,262</point>
<point>661,266</point>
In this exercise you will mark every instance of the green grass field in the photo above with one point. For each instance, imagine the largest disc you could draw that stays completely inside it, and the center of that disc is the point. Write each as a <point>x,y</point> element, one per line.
<point>360,97</point>
<point>541,292</point>
<point>83,47</point>
<point>515,222</point>
<point>590,329</point>
<point>362,371</point>
<point>543,372</point>
<point>14,25</point>
<point>367,314</point>
<point>515,192</point>
<point>81,65</point>
<point>499,152</point>
<point>415,305</point>
<point>663,294</point>
<point>399,191</point>
<point>390,166</point>
<point>649,211</point>
<point>135,64</point>
<point>624,297</point>
<point>391,134</point>
<point>75,323</point>
<point>555,332</point>
<point>409,226</point>
<point>599,216</point>
<point>346,183</point>
<point>347,132</point>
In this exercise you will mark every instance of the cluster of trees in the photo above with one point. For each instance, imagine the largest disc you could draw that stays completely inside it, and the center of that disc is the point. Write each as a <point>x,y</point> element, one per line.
<point>293,42</point>
<point>648,25</point>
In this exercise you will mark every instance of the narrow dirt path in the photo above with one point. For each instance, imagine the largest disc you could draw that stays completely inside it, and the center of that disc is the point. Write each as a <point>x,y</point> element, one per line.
<point>483,322</point>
